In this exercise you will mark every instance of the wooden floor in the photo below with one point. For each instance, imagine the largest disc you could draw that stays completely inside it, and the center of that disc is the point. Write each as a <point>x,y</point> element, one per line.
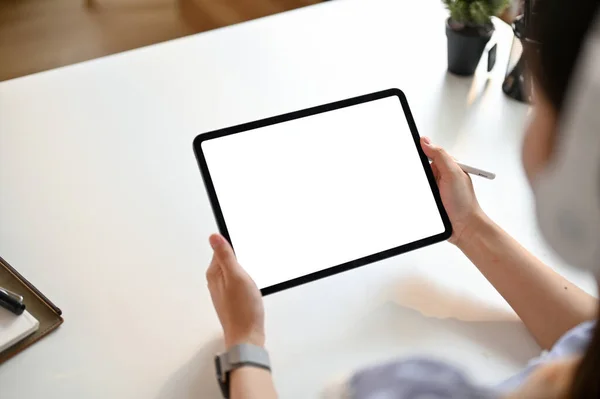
<point>36,35</point>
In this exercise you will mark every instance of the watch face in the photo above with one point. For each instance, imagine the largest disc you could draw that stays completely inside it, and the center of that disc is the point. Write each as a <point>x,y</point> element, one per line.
<point>221,377</point>
<point>218,368</point>
<point>237,356</point>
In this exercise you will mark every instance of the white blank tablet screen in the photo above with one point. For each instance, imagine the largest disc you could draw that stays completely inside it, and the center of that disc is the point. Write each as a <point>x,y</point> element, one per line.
<point>312,193</point>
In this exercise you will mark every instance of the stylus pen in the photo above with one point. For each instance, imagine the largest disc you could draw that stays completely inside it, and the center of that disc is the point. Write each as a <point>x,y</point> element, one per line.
<point>475,171</point>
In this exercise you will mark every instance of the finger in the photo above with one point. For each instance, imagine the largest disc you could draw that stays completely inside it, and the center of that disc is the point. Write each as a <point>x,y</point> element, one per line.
<point>436,172</point>
<point>213,269</point>
<point>223,252</point>
<point>444,162</point>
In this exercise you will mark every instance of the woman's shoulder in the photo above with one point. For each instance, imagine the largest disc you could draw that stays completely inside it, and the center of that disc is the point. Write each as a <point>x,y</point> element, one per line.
<point>411,379</point>
<point>574,342</point>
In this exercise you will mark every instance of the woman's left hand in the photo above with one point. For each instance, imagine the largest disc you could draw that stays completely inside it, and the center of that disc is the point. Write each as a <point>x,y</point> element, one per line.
<point>235,296</point>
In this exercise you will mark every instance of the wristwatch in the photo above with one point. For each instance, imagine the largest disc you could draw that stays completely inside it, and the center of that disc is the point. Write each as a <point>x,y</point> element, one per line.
<point>238,356</point>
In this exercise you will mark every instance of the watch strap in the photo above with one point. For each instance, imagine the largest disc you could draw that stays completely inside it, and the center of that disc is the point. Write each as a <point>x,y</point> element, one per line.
<point>238,356</point>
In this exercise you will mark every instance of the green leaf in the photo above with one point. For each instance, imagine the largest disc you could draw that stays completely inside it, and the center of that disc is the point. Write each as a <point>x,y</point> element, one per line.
<point>479,12</point>
<point>498,6</point>
<point>474,12</point>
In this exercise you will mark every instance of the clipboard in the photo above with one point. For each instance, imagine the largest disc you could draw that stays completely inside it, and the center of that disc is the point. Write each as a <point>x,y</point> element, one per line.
<point>48,314</point>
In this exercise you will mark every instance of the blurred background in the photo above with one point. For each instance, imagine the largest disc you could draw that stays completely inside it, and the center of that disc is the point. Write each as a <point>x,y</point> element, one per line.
<point>37,35</point>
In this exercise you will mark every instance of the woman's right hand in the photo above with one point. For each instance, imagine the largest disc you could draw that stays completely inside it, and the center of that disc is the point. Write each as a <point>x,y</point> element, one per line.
<point>456,190</point>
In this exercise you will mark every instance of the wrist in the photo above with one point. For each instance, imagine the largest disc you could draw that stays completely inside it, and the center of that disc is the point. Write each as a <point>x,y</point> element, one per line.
<point>254,338</point>
<point>248,381</point>
<point>241,369</point>
<point>478,224</point>
<point>248,369</point>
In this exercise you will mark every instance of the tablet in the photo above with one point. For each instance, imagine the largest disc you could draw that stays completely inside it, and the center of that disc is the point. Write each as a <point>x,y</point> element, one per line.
<point>316,192</point>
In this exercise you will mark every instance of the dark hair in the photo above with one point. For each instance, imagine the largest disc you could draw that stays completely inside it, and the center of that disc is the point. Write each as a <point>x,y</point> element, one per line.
<point>560,28</point>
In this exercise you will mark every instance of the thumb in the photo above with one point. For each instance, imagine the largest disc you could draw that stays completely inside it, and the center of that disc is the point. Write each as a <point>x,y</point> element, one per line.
<point>223,252</point>
<point>443,161</point>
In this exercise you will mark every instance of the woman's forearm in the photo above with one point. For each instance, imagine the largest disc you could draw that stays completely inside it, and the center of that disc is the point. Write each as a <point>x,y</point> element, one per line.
<point>251,383</point>
<point>548,304</point>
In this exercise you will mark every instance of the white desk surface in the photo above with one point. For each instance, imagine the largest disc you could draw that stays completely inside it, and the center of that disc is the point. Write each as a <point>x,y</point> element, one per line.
<point>102,206</point>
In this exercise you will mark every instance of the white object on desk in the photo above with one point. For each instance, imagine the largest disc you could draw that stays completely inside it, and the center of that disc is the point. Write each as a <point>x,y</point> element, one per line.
<point>14,328</point>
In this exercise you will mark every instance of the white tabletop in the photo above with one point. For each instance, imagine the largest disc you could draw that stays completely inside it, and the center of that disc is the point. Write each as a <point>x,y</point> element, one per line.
<point>103,208</point>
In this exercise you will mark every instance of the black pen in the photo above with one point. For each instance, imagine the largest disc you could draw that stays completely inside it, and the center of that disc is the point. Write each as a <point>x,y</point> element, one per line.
<point>11,301</point>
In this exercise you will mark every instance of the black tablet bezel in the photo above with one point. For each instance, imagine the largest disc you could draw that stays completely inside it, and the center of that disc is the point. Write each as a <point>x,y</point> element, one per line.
<point>214,201</point>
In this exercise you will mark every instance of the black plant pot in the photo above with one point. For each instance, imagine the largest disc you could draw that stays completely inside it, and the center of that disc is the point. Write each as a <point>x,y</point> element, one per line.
<point>465,47</point>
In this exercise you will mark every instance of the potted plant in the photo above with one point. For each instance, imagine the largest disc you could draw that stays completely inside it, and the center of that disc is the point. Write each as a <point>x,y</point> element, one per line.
<point>468,29</point>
